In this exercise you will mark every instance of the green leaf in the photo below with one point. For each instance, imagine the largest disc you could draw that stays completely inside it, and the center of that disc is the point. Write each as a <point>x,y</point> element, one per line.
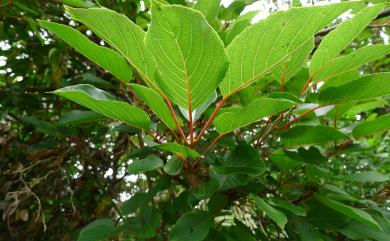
<point>271,42</point>
<point>209,8</point>
<point>308,135</point>
<point>366,128</point>
<point>284,72</point>
<point>98,230</point>
<point>197,113</point>
<point>297,210</point>
<point>230,181</point>
<point>357,214</point>
<point>344,64</point>
<point>173,166</point>
<point>286,160</point>
<point>150,163</point>
<point>252,112</point>
<point>192,227</point>
<point>122,34</point>
<point>244,159</point>
<point>103,103</point>
<point>104,57</point>
<point>276,215</point>
<point>239,24</point>
<point>135,202</point>
<point>78,3</point>
<point>191,60</point>
<point>178,149</point>
<point>367,87</point>
<point>204,190</point>
<point>365,176</point>
<point>76,117</point>
<point>156,103</point>
<point>307,232</point>
<point>338,39</point>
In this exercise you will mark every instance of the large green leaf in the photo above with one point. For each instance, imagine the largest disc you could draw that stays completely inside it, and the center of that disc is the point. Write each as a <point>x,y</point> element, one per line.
<point>344,64</point>
<point>308,135</point>
<point>209,8</point>
<point>252,112</point>
<point>239,24</point>
<point>339,38</point>
<point>380,124</point>
<point>289,69</point>
<point>150,163</point>
<point>190,56</point>
<point>98,230</point>
<point>76,117</point>
<point>276,215</point>
<point>192,227</point>
<point>179,149</point>
<point>297,210</point>
<point>244,159</point>
<point>357,214</point>
<point>78,3</point>
<point>122,34</point>
<point>365,176</point>
<point>271,42</point>
<point>103,103</point>
<point>156,103</point>
<point>367,87</point>
<point>103,56</point>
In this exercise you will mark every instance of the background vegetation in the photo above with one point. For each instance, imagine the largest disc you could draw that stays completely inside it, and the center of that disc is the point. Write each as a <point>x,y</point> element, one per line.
<point>62,166</point>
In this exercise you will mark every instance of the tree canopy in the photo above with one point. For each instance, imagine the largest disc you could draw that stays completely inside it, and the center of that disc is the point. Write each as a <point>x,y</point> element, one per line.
<point>194,120</point>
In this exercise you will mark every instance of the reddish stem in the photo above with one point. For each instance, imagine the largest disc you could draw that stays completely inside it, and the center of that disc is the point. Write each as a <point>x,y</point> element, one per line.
<point>210,120</point>
<point>299,117</point>
<point>153,136</point>
<point>263,130</point>
<point>208,149</point>
<point>340,148</point>
<point>282,80</point>
<point>308,81</point>
<point>175,119</point>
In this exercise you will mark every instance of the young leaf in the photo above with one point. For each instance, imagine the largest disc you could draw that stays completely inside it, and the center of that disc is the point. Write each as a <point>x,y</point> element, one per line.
<point>252,112</point>
<point>103,103</point>
<point>150,163</point>
<point>190,56</point>
<point>192,226</point>
<point>367,87</point>
<point>357,214</point>
<point>156,103</point>
<point>265,45</point>
<point>179,149</point>
<point>276,215</point>
<point>244,159</point>
<point>308,135</point>
<point>344,64</point>
<point>209,8</point>
<point>366,128</point>
<point>104,57</point>
<point>98,230</point>
<point>122,34</point>
<point>339,38</point>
